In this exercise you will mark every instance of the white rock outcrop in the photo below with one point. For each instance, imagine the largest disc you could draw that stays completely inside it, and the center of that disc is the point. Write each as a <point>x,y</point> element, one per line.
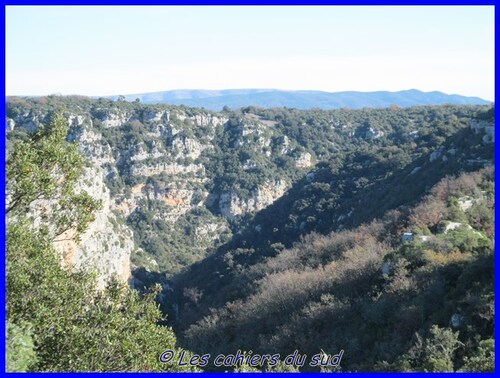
<point>231,205</point>
<point>106,245</point>
<point>115,119</point>
<point>304,160</point>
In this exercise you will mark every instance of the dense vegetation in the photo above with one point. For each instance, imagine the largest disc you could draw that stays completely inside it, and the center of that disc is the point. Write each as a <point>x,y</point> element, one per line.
<point>234,298</point>
<point>341,194</point>
<point>56,319</point>
<point>424,304</point>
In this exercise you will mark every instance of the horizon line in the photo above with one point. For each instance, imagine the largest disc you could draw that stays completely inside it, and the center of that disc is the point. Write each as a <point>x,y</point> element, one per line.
<point>248,89</point>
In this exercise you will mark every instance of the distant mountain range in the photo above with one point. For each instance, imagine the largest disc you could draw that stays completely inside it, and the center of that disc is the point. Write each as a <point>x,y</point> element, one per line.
<point>268,98</point>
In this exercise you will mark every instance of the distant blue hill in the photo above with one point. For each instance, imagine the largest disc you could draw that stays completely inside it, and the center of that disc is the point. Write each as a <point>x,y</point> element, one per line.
<point>236,98</point>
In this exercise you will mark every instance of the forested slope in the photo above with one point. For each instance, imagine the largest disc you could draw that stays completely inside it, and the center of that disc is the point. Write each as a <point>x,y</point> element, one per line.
<point>391,305</point>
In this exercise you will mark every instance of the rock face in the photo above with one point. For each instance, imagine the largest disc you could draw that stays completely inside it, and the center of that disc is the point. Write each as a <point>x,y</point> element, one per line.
<point>178,201</point>
<point>231,205</point>
<point>487,128</point>
<point>163,164</point>
<point>186,147</point>
<point>373,134</point>
<point>168,168</point>
<point>156,116</point>
<point>115,119</point>
<point>10,124</point>
<point>465,203</point>
<point>304,160</point>
<point>106,245</point>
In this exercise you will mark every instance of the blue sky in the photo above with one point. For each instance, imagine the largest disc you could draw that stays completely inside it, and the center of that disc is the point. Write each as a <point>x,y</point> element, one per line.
<point>120,50</point>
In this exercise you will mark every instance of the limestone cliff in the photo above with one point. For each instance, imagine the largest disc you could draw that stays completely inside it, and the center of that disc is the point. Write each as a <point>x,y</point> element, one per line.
<point>231,205</point>
<point>106,245</point>
<point>165,176</point>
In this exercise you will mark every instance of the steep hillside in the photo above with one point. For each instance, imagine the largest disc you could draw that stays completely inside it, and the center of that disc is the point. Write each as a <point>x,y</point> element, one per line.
<point>412,291</point>
<point>185,180</point>
<point>343,193</point>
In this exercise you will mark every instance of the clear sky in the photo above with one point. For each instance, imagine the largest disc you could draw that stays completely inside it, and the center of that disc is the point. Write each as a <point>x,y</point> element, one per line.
<point>121,50</point>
